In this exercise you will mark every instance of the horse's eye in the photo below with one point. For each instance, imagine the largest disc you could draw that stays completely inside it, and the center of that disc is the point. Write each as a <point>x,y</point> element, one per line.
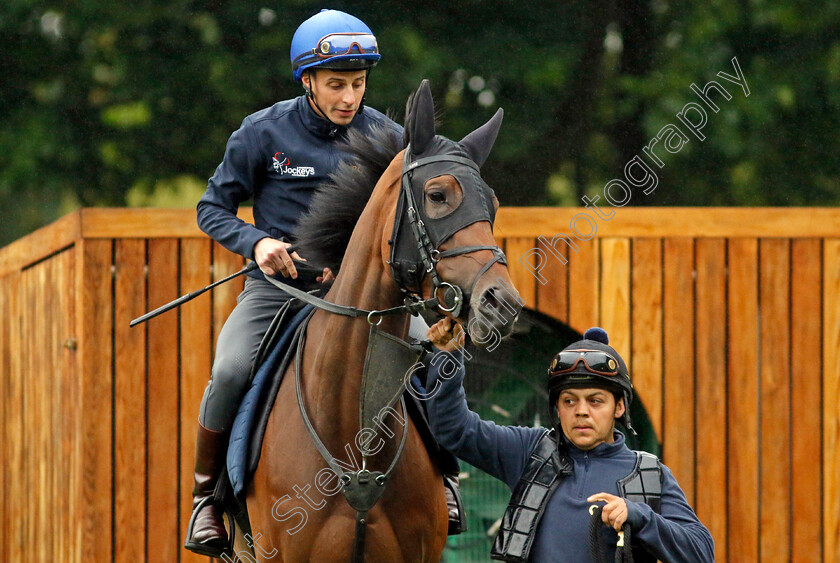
<point>437,197</point>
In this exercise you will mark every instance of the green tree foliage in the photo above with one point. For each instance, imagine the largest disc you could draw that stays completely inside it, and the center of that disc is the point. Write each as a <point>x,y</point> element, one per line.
<point>105,103</point>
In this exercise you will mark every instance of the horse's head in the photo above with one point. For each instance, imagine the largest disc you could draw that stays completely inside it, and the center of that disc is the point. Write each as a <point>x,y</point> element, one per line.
<point>442,240</point>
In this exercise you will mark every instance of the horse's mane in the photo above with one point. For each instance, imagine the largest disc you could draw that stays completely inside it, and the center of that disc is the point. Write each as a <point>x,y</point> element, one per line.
<point>324,231</point>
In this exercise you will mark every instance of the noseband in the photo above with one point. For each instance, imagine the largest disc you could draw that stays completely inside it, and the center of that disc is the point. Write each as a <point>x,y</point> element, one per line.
<point>408,271</point>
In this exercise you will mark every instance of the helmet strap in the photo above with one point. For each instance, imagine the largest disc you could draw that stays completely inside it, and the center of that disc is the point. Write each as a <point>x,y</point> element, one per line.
<point>367,81</point>
<point>311,95</point>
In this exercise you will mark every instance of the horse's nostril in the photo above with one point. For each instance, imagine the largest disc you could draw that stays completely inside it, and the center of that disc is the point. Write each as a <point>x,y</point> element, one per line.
<point>488,299</point>
<point>498,303</point>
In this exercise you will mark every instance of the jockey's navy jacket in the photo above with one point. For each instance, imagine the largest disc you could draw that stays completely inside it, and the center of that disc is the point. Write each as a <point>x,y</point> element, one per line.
<point>562,534</point>
<point>277,157</point>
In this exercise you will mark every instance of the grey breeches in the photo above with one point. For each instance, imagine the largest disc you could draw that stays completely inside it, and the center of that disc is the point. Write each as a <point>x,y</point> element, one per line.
<point>236,349</point>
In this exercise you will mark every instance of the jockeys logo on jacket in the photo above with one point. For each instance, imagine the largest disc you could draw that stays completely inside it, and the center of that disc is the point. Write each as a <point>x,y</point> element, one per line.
<point>282,164</point>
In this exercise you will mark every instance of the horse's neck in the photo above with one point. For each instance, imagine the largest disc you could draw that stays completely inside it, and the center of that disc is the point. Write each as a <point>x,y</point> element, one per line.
<point>336,345</point>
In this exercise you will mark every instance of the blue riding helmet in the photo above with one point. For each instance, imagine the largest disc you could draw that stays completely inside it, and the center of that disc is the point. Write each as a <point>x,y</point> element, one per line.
<point>335,40</point>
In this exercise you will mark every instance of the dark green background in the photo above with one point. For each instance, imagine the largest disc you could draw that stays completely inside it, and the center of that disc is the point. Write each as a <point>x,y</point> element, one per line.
<point>130,103</point>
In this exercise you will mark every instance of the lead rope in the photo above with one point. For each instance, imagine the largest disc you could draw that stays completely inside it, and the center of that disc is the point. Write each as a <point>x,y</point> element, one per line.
<point>623,551</point>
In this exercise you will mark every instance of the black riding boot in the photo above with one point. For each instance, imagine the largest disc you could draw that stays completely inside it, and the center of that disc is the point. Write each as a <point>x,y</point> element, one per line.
<point>206,533</point>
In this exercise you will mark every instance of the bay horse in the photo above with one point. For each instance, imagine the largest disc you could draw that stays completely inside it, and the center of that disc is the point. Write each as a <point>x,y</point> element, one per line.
<point>295,511</point>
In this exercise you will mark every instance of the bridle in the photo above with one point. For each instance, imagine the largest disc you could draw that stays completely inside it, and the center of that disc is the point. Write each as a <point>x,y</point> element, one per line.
<point>410,271</point>
<point>411,261</point>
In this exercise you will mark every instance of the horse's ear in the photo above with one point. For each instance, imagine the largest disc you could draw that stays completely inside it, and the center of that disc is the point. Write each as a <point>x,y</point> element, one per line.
<point>479,143</point>
<point>420,119</point>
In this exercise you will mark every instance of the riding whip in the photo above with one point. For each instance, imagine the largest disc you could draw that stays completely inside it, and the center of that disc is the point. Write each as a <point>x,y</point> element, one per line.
<point>184,298</point>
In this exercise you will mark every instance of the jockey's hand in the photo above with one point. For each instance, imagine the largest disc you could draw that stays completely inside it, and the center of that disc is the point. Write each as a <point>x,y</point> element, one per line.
<point>272,258</point>
<point>446,335</point>
<point>614,513</point>
<point>326,277</point>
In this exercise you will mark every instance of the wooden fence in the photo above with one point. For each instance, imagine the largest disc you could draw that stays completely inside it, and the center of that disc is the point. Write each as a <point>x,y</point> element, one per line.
<point>729,319</point>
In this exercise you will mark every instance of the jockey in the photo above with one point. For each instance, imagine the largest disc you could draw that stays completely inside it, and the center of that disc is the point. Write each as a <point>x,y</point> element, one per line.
<point>277,158</point>
<point>556,475</point>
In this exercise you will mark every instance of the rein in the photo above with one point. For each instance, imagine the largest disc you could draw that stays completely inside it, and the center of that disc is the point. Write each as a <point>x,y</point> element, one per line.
<point>623,550</point>
<point>413,307</point>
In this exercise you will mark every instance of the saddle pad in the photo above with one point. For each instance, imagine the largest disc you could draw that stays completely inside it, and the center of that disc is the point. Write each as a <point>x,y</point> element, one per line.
<point>241,431</point>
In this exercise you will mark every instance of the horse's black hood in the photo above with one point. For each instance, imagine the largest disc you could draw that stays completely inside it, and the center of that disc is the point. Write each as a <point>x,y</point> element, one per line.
<point>428,156</point>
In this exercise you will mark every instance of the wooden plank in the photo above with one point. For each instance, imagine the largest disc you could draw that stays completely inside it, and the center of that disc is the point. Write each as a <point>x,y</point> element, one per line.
<point>224,296</point>
<point>33,400</point>
<point>25,477</point>
<point>806,394</point>
<point>95,314</point>
<point>40,244</point>
<point>615,293</point>
<point>716,222</point>
<point>101,222</point>
<point>56,468</point>
<point>163,540</point>
<point>742,400</point>
<point>710,380</point>
<point>584,286</point>
<point>69,484</point>
<point>195,342</point>
<point>6,413</point>
<point>553,296</point>
<point>33,475</point>
<point>51,523</point>
<point>831,400</point>
<point>522,265</point>
<point>678,433</point>
<point>14,463</point>
<point>774,477</point>
<point>62,419</point>
<point>525,222</point>
<point>647,303</point>
<point>146,222</point>
<point>130,401</point>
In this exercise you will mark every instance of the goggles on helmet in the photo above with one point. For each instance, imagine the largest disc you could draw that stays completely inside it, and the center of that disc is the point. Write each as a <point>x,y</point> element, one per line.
<point>594,361</point>
<point>340,44</point>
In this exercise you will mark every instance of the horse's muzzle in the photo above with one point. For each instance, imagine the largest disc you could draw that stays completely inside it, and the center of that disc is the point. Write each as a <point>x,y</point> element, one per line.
<point>493,314</point>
